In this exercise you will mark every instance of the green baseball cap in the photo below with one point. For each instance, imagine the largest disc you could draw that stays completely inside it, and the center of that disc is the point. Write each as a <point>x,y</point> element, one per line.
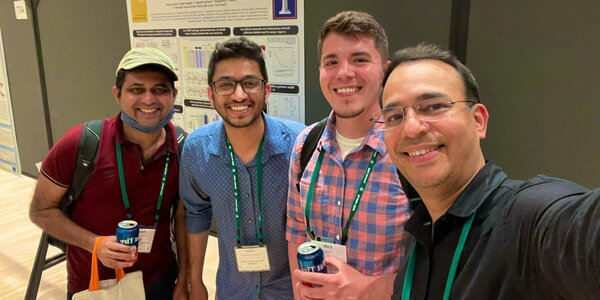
<point>147,56</point>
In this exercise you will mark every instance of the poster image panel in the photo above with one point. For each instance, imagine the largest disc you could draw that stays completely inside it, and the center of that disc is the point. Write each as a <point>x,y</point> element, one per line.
<point>188,32</point>
<point>9,155</point>
<point>284,9</point>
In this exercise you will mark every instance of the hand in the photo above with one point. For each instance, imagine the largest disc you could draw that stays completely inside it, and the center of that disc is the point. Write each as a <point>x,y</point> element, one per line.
<point>115,255</point>
<point>181,291</point>
<point>347,283</point>
<point>198,290</point>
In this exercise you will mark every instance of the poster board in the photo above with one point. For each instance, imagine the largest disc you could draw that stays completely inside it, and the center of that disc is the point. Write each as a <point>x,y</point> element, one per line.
<point>187,31</point>
<point>9,155</point>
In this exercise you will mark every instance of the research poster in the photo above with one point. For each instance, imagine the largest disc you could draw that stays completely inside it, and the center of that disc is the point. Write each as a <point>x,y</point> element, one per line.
<point>9,158</point>
<point>188,31</point>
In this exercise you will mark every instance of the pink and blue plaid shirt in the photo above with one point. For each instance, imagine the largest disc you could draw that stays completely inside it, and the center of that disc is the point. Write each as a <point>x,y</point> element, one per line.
<point>376,238</point>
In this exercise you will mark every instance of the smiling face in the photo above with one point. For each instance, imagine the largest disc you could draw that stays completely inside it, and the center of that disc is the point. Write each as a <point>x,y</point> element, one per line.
<point>146,96</point>
<point>444,154</point>
<point>238,109</point>
<point>350,74</point>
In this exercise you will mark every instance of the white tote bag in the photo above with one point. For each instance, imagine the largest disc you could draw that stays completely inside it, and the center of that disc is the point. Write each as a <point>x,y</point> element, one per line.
<point>124,286</point>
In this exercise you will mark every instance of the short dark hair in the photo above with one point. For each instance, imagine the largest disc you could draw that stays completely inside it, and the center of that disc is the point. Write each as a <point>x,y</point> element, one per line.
<point>431,51</point>
<point>120,79</point>
<point>237,47</point>
<point>353,22</point>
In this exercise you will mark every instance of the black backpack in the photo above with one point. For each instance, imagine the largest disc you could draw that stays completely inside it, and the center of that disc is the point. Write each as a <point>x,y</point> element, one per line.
<point>310,144</point>
<point>85,164</point>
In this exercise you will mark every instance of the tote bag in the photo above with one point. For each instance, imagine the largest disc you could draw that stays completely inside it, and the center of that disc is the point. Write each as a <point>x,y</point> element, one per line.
<point>124,286</point>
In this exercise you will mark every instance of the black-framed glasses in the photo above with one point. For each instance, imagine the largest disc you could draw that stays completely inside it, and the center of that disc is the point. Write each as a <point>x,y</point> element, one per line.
<point>226,87</point>
<point>429,110</point>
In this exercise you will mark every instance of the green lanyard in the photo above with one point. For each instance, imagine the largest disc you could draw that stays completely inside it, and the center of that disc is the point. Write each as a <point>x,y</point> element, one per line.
<point>310,195</point>
<point>236,192</point>
<point>410,269</point>
<point>124,189</point>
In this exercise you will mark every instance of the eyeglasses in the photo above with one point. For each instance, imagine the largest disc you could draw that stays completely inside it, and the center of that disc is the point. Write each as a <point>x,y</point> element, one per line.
<point>430,110</point>
<point>227,87</point>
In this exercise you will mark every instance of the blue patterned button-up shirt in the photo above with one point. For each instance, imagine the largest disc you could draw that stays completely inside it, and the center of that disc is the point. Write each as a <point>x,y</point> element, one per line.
<point>206,187</point>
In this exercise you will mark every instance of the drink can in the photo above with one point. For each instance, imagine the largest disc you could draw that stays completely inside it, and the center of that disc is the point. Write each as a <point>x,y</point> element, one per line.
<point>311,258</point>
<point>128,233</point>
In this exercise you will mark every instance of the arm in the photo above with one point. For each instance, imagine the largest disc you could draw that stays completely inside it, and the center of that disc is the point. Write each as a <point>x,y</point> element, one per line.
<point>196,216</point>
<point>566,238</point>
<point>347,283</point>
<point>295,223</point>
<point>295,233</point>
<point>44,212</point>
<point>197,250</point>
<point>293,259</point>
<point>181,289</point>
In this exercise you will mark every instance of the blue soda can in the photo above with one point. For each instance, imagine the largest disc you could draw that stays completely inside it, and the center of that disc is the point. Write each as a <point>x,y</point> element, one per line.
<point>311,258</point>
<point>128,233</point>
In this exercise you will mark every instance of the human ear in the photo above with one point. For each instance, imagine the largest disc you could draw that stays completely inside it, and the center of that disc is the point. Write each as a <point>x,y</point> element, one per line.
<point>115,91</point>
<point>210,95</point>
<point>481,117</point>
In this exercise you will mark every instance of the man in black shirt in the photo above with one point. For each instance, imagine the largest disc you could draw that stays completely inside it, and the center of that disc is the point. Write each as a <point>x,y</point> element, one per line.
<point>476,233</point>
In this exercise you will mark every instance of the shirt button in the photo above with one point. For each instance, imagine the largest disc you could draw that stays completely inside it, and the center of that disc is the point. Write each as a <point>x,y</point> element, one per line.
<point>339,203</point>
<point>337,237</point>
<point>250,221</point>
<point>247,195</point>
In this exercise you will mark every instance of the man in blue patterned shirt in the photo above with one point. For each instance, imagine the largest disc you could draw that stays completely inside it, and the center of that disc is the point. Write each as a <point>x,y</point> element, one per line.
<point>236,168</point>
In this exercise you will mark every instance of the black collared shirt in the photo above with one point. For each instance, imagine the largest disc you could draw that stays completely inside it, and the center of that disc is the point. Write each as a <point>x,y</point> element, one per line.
<point>537,239</point>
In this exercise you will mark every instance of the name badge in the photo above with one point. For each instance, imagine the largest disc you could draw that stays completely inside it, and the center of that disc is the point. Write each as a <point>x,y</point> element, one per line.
<point>252,258</point>
<point>336,250</point>
<point>146,239</point>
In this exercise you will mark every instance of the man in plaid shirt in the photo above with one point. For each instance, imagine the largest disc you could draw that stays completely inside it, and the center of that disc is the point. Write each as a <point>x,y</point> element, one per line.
<point>356,206</point>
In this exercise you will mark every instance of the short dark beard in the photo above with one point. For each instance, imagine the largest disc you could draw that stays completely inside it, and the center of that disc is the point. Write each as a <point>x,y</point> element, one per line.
<point>259,116</point>
<point>251,121</point>
<point>349,116</point>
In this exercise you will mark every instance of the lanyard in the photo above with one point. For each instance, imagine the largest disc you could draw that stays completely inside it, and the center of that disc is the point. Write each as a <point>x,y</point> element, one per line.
<point>359,192</point>
<point>410,269</point>
<point>236,192</point>
<point>124,189</point>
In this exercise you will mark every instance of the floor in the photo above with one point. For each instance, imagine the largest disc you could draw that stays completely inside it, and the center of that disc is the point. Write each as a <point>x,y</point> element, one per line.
<point>19,241</point>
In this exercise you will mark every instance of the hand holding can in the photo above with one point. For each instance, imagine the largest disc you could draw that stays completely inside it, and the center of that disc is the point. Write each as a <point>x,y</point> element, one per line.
<point>311,258</point>
<point>128,234</point>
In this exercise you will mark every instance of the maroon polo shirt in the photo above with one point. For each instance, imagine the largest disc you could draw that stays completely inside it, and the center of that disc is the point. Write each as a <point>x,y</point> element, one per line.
<point>100,206</point>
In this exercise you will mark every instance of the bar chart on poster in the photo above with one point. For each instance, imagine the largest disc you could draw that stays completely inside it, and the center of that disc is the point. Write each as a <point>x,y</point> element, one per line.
<point>9,158</point>
<point>188,31</point>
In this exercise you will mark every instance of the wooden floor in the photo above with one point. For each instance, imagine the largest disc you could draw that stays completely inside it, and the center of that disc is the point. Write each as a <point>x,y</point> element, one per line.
<point>19,240</point>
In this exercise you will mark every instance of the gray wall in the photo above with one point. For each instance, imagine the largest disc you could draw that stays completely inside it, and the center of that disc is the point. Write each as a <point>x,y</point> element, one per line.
<point>81,43</point>
<point>538,67</point>
<point>24,83</point>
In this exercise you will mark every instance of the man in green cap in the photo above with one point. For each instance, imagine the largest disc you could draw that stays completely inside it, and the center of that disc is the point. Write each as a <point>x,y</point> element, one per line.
<point>135,177</point>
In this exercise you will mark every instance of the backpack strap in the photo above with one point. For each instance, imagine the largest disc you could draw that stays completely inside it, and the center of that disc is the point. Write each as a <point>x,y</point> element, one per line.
<point>309,146</point>
<point>84,166</point>
<point>181,134</point>
<point>86,156</point>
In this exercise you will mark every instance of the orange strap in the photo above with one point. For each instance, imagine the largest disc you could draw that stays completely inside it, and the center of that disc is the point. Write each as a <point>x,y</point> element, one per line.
<point>94,278</point>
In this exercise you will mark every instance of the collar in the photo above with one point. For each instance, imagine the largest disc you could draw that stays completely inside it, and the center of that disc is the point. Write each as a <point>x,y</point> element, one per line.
<point>170,139</point>
<point>272,145</point>
<point>373,139</point>
<point>487,180</point>
<point>485,183</point>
